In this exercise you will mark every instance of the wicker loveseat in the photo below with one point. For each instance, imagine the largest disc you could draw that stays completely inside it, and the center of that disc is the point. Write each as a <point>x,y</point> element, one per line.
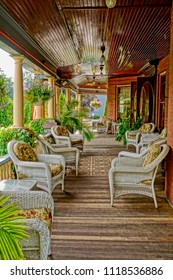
<point>47,170</point>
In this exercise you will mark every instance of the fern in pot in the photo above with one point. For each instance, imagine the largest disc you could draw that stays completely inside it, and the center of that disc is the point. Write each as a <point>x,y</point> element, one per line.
<point>38,93</point>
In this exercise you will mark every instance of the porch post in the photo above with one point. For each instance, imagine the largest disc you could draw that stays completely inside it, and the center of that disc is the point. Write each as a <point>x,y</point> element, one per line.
<point>68,95</point>
<point>18,119</point>
<point>51,113</point>
<point>57,96</point>
<point>79,100</point>
<point>169,165</point>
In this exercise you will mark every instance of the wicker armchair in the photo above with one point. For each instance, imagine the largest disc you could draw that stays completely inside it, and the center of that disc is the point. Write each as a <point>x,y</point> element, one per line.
<point>142,150</point>
<point>136,175</point>
<point>153,138</point>
<point>63,137</point>
<point>38,244</point>
<point>133,137</point>
<point>71,155</point>
<point>47,170</point>
<point>104,124</point>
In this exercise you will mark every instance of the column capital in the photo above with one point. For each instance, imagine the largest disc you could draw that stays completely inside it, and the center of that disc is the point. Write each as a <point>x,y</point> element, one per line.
<point>18,58</point>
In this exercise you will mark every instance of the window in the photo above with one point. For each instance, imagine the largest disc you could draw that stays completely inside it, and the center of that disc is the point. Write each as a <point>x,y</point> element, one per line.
<point>124,102</point>
<point>162,93</point>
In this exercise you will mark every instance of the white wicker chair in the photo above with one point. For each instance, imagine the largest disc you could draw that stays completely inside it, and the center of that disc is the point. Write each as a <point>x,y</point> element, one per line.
<point>133,137</point>
<point>71,155</point>
<point>104,124</point>
<point>128,176</point>
<point>143,150</point>
<point>153,137</point>
<point>68,139</point>
<point>40,170</point>
<point>38,245</point>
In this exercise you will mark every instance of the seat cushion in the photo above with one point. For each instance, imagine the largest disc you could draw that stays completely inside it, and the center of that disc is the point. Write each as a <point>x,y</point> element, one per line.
<point>146,127</point>
<point>76,141</point>
<point>42,214</point>
<point>24,152</point>
<point>152,154</point>
<point>61,131</point>
<point>56,169</point>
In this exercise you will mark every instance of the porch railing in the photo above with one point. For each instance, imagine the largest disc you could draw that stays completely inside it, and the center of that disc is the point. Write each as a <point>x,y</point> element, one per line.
<point>6,168</point>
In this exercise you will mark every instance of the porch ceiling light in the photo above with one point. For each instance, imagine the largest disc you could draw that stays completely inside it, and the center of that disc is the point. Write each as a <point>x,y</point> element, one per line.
<point>111,3</point>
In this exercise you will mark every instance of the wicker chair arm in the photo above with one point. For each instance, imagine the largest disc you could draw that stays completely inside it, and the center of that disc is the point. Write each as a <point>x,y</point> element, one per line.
<point>31,199</point>
<point>127,161</point>
<point>51,159</point>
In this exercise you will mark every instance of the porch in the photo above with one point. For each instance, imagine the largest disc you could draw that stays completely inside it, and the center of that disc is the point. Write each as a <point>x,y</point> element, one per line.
<point>87,227</point>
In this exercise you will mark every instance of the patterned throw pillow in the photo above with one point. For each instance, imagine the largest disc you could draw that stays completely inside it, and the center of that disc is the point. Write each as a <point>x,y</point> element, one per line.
<point>24,152</point>
<point>146,127</point>
<point>42,214</point>
<point>56,169</point>
<point>152,154</point>
<point>163,134</point>
<point>61,131</point>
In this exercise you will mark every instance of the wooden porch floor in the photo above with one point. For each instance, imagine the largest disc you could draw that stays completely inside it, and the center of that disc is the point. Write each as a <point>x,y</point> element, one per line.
<point>87,227</point>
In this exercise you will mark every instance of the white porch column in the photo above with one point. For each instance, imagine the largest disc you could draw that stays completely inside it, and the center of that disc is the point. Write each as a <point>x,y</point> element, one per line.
<point>57,90</point>
<point>18,119</point>
<point>51,113</point>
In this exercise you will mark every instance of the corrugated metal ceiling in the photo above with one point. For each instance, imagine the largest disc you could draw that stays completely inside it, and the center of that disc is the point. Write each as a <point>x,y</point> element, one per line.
<point>72,33</point>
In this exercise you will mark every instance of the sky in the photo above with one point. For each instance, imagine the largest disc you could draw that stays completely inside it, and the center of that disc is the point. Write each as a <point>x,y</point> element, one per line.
<point>6,64</point>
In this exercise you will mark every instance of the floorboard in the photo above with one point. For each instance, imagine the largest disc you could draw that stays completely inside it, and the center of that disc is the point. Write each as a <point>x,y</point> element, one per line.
<point>87,227</point>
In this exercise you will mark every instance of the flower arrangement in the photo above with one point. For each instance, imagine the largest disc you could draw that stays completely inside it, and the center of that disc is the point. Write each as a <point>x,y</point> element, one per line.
<point>38,93</point>
<point>95,104</point>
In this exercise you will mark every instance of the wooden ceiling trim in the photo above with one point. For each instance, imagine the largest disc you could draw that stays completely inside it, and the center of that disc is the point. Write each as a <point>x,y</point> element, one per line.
<point>116,54</point>
<point>153,32</point>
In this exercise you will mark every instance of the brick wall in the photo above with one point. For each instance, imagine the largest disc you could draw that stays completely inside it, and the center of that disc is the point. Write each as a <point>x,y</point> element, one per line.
<point>169,166</point>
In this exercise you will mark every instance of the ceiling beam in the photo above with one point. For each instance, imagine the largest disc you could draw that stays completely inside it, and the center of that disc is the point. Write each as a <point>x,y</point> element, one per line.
<point>116,7</point>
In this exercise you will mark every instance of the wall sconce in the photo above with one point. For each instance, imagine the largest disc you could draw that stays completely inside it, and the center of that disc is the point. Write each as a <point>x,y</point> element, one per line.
<point>110,3</point>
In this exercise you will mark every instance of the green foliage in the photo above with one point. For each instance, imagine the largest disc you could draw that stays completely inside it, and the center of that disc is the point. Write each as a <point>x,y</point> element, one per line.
<point>38,92</point>
<point>10,133</point>
<point>6,111</point>
<point>72,119</point>
<point>37,125</point>
<point>27,111</point>
<point>125,126</point>
<point>6,104</point>
<point>62,101</point>
<point>12,230</point>
<point>137,124</point>
<point>95,117</point>
<point>6,85</point>
<point>105,108</point>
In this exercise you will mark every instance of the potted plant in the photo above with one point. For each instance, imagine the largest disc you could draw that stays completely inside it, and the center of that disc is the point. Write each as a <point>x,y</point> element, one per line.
<point>12,230</point>
<point>95,104</point>
<point>72,119</point>
<point>38,93</point>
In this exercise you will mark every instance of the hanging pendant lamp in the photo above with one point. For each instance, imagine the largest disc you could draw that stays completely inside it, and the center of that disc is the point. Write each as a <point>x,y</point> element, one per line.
<point>111,3</point>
